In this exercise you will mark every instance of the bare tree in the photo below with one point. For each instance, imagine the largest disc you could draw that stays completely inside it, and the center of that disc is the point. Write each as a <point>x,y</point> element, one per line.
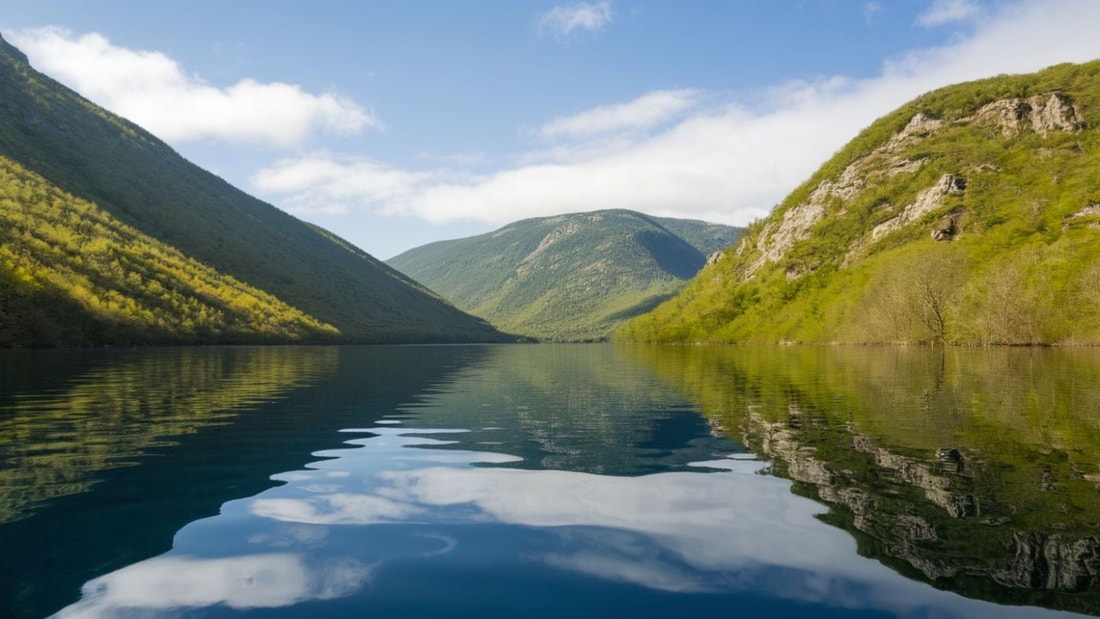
<point>935,281</point>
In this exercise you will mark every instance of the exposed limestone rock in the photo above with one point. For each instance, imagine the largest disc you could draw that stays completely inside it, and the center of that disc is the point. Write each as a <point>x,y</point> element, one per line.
<point>1051,562</point>
<point>903,166</point>
<point>1091,210</point>
<point>1031,561</point>
<point>778,441</point>
<point>947,227</point>
<point>1057,114</point>
<point>714,258</point>
<point>856,500</point>
<point>938,488</point>
<point>1008,114</point>
<point>927,201</point>
<point>742,246</point>
<point>911,528</point>
<point>920,126</point>
<point>774,241</point>
<point>1042,113</point>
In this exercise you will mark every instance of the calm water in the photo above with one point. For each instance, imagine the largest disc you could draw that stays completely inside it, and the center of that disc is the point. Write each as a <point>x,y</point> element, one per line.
<point>550,481</point>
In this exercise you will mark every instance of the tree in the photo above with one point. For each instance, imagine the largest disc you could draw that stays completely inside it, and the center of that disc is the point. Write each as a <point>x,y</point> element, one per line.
<point>936,279</point>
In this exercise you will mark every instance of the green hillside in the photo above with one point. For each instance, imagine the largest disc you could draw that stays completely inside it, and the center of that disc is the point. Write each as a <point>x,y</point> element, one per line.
<point>971,215</point>
<point>570,277</point>
<point>109,236</point>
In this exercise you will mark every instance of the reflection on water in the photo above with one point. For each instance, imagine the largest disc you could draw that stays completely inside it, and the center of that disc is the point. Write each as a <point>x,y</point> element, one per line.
<point>542,481</point>
<point>976,471</point>
<point>118,406</point>
<point>268,580</point>
<point>573,408</point>
<point>390,524</point>
<point>105,454</point>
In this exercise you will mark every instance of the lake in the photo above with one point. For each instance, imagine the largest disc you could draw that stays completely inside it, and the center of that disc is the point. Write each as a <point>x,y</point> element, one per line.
<point>550,481</point>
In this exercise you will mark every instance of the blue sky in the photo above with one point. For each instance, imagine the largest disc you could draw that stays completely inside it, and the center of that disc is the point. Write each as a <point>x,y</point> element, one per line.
<point>398,123</point>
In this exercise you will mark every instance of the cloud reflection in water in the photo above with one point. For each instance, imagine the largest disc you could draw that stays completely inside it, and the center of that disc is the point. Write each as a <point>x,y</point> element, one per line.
<point>731,532</point>
<point>256,581</point>
<point>734,530</point>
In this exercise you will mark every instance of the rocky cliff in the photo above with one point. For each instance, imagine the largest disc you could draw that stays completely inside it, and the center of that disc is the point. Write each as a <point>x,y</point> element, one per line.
<point>969,215</point>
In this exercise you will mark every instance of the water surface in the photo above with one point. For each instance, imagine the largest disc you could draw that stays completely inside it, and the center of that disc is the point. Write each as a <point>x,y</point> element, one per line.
<point>542,481</point>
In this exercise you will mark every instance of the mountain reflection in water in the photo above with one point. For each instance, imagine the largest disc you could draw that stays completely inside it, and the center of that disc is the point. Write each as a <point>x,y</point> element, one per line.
<point>974,470</point>
<point>543,481</point>
<point>351,525</point>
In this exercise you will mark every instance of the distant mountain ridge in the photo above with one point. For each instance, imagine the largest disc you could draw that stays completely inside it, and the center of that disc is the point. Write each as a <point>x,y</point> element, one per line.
<point>63,154</point>
<point>571,277</point>
<point>970,215</point>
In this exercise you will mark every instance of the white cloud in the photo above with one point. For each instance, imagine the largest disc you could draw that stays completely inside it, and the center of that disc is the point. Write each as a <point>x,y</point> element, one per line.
<point>246,582</point>
<point>563,20</point>
<point>322,183</point>
<point>644,112</point>
<point>727,164</point>
<point>734,530</point>
<point>152,90</point>
<point>870,9</point>
<point>947,11</point>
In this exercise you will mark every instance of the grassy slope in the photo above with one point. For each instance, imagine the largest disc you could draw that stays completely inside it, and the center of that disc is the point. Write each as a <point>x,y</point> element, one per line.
<point>1021,270</point>
<point>569,277</point>
<point>139,182</point>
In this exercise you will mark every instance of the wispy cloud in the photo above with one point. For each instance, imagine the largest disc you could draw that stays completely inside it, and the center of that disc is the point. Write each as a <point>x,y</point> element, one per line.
<point>326,183</point>
<point>870,9</point>
<point>561,21</point>
<point>946,11</point>
<point>645,112</point>
<point>725,163</point>
<point>152,90</point>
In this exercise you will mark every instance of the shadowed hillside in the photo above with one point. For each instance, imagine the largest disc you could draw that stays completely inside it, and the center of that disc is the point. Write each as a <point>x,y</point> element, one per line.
<point>569,277</point>
<point>109,236</point>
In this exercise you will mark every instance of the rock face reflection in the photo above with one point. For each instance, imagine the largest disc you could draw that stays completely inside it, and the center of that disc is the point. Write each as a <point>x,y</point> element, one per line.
<point>567,481</point>
<point>974,471</point>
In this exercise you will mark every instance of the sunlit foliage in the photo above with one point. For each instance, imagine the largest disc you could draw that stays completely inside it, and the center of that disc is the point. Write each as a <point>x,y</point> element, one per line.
<point>71,273</point>
<point>116,289</point>
<point>117,411</point>
<point>1020,269</point>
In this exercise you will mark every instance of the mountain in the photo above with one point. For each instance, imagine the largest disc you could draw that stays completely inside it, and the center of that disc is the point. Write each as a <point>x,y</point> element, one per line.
<point>570,277</point>
<point>109,236</point>
<point>970,215</point>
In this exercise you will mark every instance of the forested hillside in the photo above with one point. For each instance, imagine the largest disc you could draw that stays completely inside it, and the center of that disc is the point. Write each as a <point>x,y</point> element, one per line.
<point>112,237</point>
<point>971,215</point>
<point>569,277</point>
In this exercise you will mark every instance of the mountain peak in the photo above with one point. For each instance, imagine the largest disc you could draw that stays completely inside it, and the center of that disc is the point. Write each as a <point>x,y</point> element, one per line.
<point>566,277</point>
<point>9,50</point>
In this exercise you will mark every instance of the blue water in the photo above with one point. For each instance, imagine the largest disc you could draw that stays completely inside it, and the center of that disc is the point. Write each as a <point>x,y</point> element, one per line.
<point>513,481</point>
